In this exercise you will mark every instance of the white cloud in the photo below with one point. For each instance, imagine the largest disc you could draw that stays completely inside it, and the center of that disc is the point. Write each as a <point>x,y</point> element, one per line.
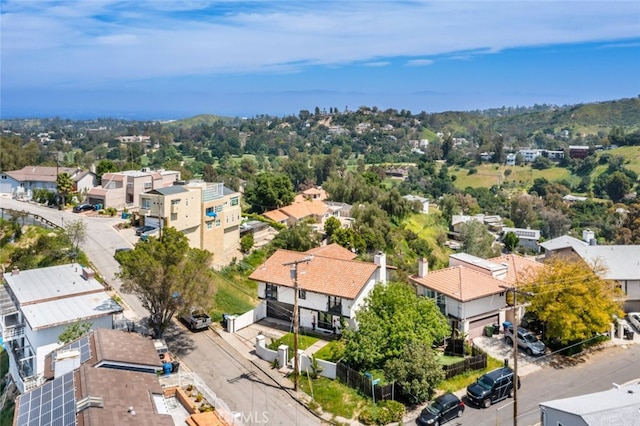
<point>93,40</point>
<point>377,64</point>
<point>419,62</point>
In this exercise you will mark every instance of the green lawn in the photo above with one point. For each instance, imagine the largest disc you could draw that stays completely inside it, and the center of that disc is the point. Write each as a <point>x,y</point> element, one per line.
<point>490,174</point>
<point>303,341</point>
<point>448,360</point>
<point>333,396</point>
<point>233,296</point>
<point>331,352</point>
<point>461,381</point>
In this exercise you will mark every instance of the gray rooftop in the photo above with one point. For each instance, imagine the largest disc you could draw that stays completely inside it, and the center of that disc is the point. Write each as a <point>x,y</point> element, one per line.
<point>169,190</point>
<point>69,310</point>
<point>618,406</point>
<point>54,282</point>
<point>621,262</point>
<point>478,261</point>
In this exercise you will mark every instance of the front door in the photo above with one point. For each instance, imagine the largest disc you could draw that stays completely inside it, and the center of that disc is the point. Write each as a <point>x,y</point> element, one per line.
<point>325,321</point>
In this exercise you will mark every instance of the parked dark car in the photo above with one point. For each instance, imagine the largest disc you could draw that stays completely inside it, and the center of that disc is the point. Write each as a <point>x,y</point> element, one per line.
<point>144,229</point>
<point>441,410</point>
<point>82,208</point>
<point>492,387</point>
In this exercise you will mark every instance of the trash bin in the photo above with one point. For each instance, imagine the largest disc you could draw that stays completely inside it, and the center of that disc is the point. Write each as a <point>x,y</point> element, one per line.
<point>628,334</point>
<point>496,329</point>
<point>175,365</point>
<point>225,317</point>
<point>506,325</point>
<point>488,330</point>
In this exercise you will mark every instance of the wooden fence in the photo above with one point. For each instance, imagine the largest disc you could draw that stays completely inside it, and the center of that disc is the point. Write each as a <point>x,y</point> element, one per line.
<point>356,380</point>
<point>477,361</point>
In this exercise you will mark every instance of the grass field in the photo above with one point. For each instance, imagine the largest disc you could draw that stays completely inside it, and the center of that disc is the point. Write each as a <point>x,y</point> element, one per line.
<point>303,341</point>
<point>489,174</point>
<point>428,227</point>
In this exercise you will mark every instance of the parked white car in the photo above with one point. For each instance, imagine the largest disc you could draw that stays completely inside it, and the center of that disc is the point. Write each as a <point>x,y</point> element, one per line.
<point>634,319</point>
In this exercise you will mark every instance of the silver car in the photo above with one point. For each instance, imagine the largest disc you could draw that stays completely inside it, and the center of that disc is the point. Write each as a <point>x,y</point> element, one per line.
<point>526,340</point>
<point>634,319</point>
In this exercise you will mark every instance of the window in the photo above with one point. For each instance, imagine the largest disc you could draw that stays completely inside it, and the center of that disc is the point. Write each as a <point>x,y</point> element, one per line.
<point>175,202</point>
<point>234,201</point>
<point>218,223</point>
<point>334,304</point>
<point>218,209</point>
<point>146,203</point>
<point>271,292</point>
<point>302,294</point>
<point>147,185</point>
<point>209,226</point>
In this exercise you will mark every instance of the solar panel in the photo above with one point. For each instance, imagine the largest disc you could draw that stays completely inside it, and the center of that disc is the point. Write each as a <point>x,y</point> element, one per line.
<point>53,403</point>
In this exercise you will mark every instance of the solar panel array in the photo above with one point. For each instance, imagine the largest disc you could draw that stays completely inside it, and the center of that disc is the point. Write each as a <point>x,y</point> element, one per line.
<point>53,403</point>
<point>82,344</point>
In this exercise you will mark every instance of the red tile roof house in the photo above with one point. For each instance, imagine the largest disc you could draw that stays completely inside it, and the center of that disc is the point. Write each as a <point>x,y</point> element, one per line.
<point>331,285</point>
<point>317,211</point>
<point>470,292</point>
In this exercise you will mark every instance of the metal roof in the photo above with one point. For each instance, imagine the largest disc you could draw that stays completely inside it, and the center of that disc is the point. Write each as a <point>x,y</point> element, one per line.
<point>169,190</point>
<point>69,310</point>
<point>54,282</point>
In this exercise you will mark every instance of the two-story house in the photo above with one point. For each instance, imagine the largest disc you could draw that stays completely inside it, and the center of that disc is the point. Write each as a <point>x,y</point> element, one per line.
<point>122,189</point>
<point>23,182</point>
<point>471,292</point>
<point>314,211</point>
<point>37,307</point>
<point>527,238</point>
<point>618,263</point>
<point>331,286</point>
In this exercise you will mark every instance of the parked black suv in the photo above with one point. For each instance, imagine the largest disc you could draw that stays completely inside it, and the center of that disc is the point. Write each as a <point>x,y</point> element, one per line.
<point>492,387</point>
<point>83,208</point>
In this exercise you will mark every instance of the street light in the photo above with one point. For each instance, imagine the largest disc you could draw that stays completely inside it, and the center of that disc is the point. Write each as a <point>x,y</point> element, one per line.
<point>294,276</point>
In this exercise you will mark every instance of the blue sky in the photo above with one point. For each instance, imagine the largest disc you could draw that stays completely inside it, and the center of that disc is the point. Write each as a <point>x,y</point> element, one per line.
<point>175,59</point>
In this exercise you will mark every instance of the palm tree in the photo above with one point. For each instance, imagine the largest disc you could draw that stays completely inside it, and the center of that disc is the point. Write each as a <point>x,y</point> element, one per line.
<point>64,185</point>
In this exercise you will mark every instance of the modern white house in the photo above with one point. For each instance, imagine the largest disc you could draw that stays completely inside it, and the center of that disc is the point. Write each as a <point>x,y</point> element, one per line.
<point>424,202</point>
<point>619,263</point>
<point>471,292</point>
<point>38,305</point>
<point>618,406</point>
<point>331,285</point>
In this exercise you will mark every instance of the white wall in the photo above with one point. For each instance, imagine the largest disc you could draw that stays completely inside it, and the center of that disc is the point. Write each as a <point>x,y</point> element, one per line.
<point>481,306</point>
<point>351,306</point>
<point>50,335</point>
<point>632,288</point>
<point>254,315</point>
<point>265,353</point>
<point>328,368</point>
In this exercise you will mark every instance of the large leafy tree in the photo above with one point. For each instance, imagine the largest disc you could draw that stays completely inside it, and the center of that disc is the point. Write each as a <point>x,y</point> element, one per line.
<point>168,276</point>
<point>417,370</point>
<point>269,191</point>
<point>571,299</point>
<point>76,233</point>
<point>476,239</point>
<point>105,166</point>
<point>299,237</point>
<point>392,317</point>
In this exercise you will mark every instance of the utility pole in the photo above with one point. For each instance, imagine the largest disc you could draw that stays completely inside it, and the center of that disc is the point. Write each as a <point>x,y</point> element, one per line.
<point>516,379</point>
<point>294,276</point>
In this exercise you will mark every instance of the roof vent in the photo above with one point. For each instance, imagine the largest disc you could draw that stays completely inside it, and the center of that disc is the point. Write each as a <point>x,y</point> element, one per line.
<point>88,402</point>
<point>88,273</point>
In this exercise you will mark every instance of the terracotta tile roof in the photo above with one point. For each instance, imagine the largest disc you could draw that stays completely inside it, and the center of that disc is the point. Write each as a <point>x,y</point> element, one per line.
<point>465,284</point>
<point>519,267</point>
<point>324,275</point>
<point>460,283</point>
<point>305,209</point>
<point>275,215</point>
<point>334,251</point>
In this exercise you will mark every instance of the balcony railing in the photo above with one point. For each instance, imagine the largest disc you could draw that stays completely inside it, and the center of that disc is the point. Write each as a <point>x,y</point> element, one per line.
<point>12,332</point>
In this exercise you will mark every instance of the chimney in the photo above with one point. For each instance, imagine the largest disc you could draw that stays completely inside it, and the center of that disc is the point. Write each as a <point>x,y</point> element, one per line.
<point>423,267</point>
<point>381,259</point>
<point>15,271</point>
<point>87,273</point>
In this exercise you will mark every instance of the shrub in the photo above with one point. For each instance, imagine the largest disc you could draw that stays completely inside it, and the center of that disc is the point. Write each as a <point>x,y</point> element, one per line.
<point>384,413</point>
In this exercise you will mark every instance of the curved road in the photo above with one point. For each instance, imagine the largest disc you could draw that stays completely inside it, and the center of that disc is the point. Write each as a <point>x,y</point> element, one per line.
<point>249,392</point>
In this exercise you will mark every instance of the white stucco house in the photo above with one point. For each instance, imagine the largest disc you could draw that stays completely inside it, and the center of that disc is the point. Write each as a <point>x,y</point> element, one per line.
<point>331,286</point>
<point>424,202</point>
<point>471,292</point>
<point>620,263</point>
<point>528,238</point>
<point>38,305</point>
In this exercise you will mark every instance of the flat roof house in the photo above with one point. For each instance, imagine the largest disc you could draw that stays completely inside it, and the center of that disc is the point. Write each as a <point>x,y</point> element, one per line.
<point>38,305</point>
<point>331,285</point>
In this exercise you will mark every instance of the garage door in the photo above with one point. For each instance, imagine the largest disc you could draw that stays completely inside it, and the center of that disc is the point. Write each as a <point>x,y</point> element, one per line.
<point>476,327</point>
<point>151,221</point>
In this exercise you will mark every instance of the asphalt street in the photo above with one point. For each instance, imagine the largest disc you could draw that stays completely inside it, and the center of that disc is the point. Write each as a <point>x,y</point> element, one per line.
<point>587,374</point>
<point>251,394</point>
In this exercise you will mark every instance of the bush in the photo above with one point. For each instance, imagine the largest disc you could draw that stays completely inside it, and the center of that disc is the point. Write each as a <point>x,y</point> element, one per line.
<point>384,413</point>
<point>111,211</point>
